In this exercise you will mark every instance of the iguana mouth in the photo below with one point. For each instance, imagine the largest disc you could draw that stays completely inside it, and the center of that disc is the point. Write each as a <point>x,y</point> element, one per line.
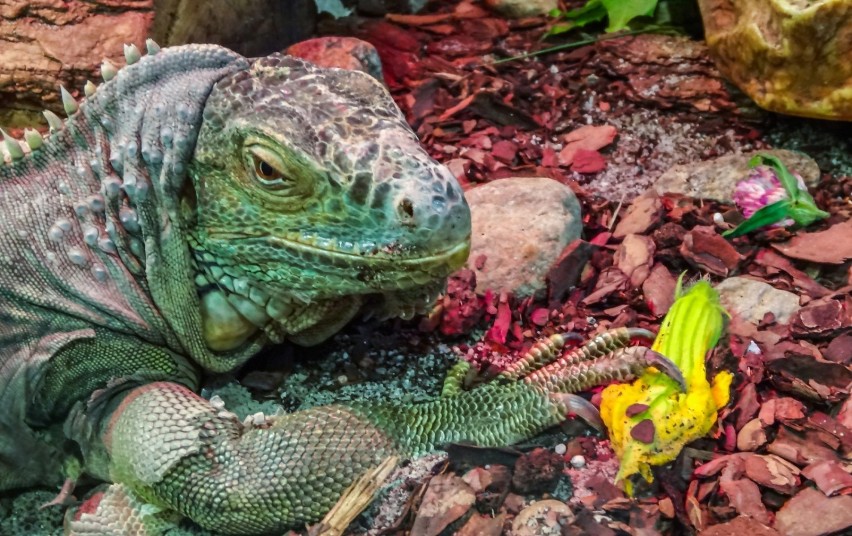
<point>233,314</point>
<point>348,252</point>
<point>240,301</point>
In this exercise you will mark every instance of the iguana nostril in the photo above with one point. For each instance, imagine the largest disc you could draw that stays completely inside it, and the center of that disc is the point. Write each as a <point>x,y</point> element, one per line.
<point>405,209</point>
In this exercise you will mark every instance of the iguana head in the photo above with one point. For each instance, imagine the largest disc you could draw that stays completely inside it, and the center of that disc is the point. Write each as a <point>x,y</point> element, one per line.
<point>309,192</point>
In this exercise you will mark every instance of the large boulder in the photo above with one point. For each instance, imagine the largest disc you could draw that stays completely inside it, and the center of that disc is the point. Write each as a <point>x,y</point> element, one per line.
<point>519,228</point>
<point>791,57</point>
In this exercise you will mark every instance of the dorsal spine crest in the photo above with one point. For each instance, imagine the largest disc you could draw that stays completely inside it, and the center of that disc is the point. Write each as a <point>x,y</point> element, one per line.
<point>35,141</point>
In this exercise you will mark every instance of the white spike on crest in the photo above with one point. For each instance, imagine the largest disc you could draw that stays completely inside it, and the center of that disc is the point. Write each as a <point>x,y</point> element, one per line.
<point>131,54</point>
<point>68,102</point>
<point>108,70</point>
<point>152,47</point>
<point>89,89</point>
<point>12,146</point>
<point>33,138</point>
<point>53,120</point>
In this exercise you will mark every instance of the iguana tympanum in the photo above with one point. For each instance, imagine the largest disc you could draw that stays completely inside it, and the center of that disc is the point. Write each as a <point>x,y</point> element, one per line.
<point>192,209</point>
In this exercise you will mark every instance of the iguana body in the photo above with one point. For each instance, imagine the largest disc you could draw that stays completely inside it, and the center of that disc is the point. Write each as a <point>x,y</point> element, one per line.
<point>194,209</point>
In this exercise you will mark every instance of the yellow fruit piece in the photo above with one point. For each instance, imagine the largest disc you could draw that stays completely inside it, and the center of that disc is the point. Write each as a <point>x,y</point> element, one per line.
<point>690,329</point>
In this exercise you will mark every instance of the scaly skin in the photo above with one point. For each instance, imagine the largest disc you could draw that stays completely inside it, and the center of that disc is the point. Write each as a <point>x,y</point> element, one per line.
<point>194,209</point>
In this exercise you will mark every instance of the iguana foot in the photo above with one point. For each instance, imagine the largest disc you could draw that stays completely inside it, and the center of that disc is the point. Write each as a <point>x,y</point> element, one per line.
<point>606,358</point>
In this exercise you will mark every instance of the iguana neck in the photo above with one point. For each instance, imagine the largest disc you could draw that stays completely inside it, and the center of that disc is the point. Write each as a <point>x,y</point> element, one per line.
<point>97,219</point>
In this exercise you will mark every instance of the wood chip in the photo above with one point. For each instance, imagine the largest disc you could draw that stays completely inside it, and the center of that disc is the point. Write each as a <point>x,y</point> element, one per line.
<point>446,499</point>
<point>831,246</point>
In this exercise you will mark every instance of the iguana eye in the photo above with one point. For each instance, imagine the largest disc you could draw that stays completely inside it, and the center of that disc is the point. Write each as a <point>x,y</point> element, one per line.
<point>267,167</point>
<point>266,173</point>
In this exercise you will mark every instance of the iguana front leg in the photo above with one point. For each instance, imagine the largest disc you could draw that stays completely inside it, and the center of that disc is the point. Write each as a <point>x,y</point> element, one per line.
<point>175,450</point>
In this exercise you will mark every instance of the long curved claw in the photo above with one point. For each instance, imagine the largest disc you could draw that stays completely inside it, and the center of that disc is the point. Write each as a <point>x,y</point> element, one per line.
<point>641,333</point>
<point>582,408</point>
<point>666,366</point>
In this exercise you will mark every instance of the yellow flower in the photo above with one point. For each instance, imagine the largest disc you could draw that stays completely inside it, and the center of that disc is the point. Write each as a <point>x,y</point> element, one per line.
<point>651,419</point>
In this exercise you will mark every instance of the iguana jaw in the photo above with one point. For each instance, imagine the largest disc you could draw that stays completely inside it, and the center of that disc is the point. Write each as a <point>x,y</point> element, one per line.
<point>237,303</point>
<point>231,319</point>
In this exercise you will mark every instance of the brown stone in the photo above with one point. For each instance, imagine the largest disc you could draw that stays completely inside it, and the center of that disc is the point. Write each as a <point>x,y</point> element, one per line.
<point>790,57</point>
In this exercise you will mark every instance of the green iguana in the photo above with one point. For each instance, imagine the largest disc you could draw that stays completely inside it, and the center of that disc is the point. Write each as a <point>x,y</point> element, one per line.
<point>194,208</point>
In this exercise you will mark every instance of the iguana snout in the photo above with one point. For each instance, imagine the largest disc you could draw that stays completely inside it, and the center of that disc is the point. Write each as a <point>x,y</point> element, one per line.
<point>311,191</point>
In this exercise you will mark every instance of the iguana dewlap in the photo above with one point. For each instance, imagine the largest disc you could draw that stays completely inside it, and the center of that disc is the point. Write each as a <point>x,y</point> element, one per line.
<point>194,208</point>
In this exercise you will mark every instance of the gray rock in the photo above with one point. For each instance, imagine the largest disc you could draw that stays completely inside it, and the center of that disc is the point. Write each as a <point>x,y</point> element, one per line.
<point>520,226</point>
<point>751,299</point>
<point>716,178</point>
<point>522,8</point>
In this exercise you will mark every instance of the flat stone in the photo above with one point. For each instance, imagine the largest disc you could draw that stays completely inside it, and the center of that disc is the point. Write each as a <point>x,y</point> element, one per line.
<point>520,227</point>
<point>751,300</point>
<point>716,178</point>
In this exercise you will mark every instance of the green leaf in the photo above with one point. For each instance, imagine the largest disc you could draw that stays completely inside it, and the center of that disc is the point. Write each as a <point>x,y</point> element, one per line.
<point>589,7</point>
<point>335,8</point>
<point>557,29</point>
<point>787,179</point>
<point>621,12</point>
<point>804,210</point>
<point>765,216</point>
<point>593,11</point>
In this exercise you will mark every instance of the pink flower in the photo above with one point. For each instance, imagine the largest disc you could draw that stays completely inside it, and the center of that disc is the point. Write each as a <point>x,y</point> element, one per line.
<point>762,188</point>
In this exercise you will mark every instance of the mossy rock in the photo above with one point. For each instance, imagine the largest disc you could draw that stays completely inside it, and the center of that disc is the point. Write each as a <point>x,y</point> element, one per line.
<point>790,56</point>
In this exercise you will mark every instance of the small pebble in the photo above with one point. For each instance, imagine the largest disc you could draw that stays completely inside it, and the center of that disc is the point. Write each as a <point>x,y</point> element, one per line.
<point>560,449</point>
<point>578,461</point>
